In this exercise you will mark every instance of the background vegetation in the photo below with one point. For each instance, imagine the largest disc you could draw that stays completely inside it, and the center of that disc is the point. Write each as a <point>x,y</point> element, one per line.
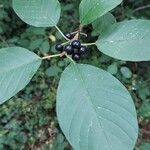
<point>28,121</point>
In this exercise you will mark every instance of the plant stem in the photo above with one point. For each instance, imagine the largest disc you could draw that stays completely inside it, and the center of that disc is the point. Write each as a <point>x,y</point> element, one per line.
<point>61,33</point>
<point>81,27</point>
<point>51,56</point>
<point>81,33</point>
<point>88,44</point>
<point>65,43</point>
<point>75,32</point>
<point>70,58</point>
<point>140,8</point>
<point>76,37</point>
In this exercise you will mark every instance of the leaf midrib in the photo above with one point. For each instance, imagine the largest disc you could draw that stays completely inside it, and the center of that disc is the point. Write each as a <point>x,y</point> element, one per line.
<point>90,100</point>
<point>83,18</point>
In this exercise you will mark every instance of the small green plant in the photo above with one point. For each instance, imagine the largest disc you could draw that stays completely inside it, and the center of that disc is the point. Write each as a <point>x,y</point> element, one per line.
<point>94,110</point>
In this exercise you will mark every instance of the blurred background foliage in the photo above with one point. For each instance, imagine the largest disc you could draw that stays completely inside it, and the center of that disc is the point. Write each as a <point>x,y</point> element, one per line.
<point>28,121</point>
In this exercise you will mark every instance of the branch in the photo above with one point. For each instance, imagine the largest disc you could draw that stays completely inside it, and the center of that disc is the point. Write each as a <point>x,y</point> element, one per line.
<point>141,8</point>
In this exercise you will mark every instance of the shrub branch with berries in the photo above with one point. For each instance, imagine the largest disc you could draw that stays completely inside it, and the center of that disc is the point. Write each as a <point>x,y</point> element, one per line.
<point>94,110</point>
<point>74,47</point>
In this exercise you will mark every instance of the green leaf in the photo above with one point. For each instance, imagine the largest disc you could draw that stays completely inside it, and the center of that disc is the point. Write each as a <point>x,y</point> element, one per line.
<point>128,40</point>
<point>103,23</point>
<point>144,110</point>
<point>113,68</point>
<point>91,10</point>
<point>45,47</point>
<point>35,44</point>
<point>38,13</point>
<point>145,146</point>
<point>17,67</point>
<point>53,71</point>
<point>126,72</point>
<point>95,111</point>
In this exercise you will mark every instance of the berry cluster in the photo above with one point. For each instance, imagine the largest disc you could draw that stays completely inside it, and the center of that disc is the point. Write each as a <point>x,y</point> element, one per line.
<point>74,48</point>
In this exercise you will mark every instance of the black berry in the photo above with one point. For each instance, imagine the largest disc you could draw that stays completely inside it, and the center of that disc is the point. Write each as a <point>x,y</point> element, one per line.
<point>76,44</point>
<point>68,49</point>
<point>76,57</point>
<point>59,47</point>
<point>68,35</point>
<point>82,50</point>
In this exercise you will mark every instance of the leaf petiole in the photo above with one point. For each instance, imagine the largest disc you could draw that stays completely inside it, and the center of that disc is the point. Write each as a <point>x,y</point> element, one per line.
<point>88,44</point>
<point>51,56</point>
<point>61,33</point>
<point>65,43</point>
<point>70,58</point>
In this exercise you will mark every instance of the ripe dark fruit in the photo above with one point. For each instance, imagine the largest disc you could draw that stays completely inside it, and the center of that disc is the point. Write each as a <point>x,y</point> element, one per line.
<point>59,47</point>
<point>76,44</point>
<point>76,57</point>
<point>68,49</point>
<point>82,50</point>
<point>68,35</point>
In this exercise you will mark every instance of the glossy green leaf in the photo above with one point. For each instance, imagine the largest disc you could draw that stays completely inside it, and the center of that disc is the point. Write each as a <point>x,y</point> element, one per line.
<point>90,10</point>
<point>39,13</point>
<point>128,40</point>
<point>17,67</point>
<point>103,22</point>
<point>95,111</point>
